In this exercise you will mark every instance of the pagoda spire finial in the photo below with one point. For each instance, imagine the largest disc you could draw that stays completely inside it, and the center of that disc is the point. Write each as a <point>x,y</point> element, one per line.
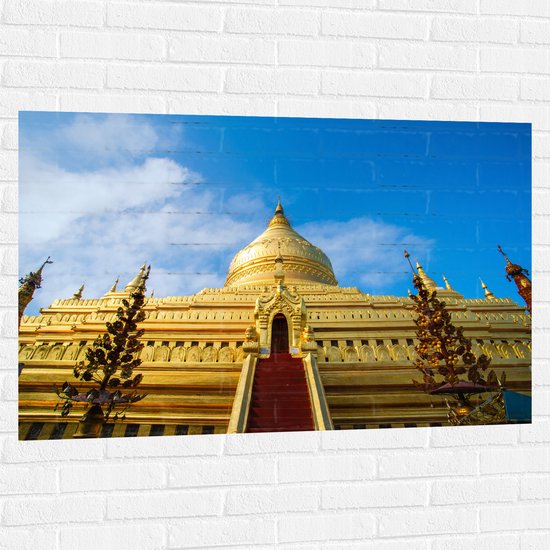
<point>428,282</point>
<point>113,288</point>
<point>520,276</point>
<point>28,284</point>
<point>508,262</point>
<point>488,294</point>
<point>447,284</point>
<point>279,216</point>
<point>136,281</point>
<point>78,294</point>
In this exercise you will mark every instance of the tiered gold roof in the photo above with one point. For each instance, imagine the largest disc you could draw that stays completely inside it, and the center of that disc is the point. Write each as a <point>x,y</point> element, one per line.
<point>304,263</point>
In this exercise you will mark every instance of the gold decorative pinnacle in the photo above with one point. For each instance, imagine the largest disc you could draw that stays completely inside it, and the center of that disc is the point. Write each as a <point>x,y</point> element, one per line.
<point>447,284</point>
<point>113,288</point>
<point>488,294</point>
<point>428,282</point>
<point>136,281</point>
<point>78,294</point>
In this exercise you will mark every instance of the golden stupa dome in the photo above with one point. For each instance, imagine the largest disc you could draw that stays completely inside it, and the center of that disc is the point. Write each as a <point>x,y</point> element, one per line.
<point>303,262</point>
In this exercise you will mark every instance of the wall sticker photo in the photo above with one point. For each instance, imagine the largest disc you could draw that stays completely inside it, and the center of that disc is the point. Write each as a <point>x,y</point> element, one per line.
<point>186,275</point>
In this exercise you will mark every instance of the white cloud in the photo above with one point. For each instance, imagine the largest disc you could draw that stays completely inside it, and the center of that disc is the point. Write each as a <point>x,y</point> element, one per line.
<point>365,252</point>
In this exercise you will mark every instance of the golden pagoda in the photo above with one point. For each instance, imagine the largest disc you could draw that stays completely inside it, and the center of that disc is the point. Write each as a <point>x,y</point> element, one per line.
<point>280,347</point>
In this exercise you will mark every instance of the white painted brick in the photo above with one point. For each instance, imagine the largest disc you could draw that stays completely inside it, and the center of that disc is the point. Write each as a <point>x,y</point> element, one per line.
<point>414,109</point>
<point>474,87</point>
<point>431,56</point>
<point>242,106</point>
<point>22,42</point>
<point>12,101</point>
<point>229,471</point>
<point>50,12</point>
<point>113,477</point>
<point>428,5</point>
<point>125,537</point>
<point>461,436</point>
<point>327,54</point>
<point>375,495</point>
<point>272,81</point>
<point>541,148</point>
<point>467,491</point>
<point>455,29</point>
<point>427,463</point>
<point>374,84</point>
<point>8,318</point>
<point>539,8</point>
<point>27,480</point>
<point>9,264</point>
<point>125,102</point>
<point>326,527</point>
<point>515,60</point>
<point>535,541</point>
<point>539,430</point>
<point>164,77</point>
<point>538,115</point>
<point>163,447</point>
<point>334,108</point>
<point>510,518</point>
<point>537,88</point>
<point>535,32</point>
<point>8,198</point>
<point>8,420</point>
<point>8,291</point>
<point>168,504</point>
<point>374,25</point>
<point>221,532</point>
<point>27,539</point>
<point>272,500</point>
<point>8,385</point>
<point>374,439</point>
<point>111,46</point>
<point>535,488</point>
<point>8,169</point>
<point>427,522</point>
<point>164,16</point>
<point>272,21</point>
<point>541,401</point>
<point>67,74</point>
<point>60,509</point>
<point>487,542</point>
<point>323,468</point>
<point>10,135</point>
<point>262,443</point>
<point>51,451</point>
<point>528,459</point>
<point>378,544</point>
<point>232,49</point>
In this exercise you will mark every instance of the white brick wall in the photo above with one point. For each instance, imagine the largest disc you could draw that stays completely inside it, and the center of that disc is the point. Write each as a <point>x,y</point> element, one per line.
<point>438,489</point>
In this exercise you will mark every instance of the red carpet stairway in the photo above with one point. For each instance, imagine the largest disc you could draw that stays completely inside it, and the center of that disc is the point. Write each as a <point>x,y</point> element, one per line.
<point>280,397</point>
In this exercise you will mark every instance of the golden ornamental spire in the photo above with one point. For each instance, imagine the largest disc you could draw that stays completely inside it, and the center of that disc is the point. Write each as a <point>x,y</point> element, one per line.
<point>279,216</point>
<point>428,282</point>
<point>136,281</point>
<point>113,288</point>
<point>78,294</point>
<point>520,276</point>
<point>447,284</point>
<point>488,294</point>
<point>28,284</point>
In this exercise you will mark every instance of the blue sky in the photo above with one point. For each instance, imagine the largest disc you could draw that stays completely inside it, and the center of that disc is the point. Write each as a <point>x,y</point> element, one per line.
<point>103,193</point>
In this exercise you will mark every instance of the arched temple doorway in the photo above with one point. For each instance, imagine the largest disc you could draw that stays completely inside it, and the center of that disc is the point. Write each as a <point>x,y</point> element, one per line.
<point>279,334</point>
